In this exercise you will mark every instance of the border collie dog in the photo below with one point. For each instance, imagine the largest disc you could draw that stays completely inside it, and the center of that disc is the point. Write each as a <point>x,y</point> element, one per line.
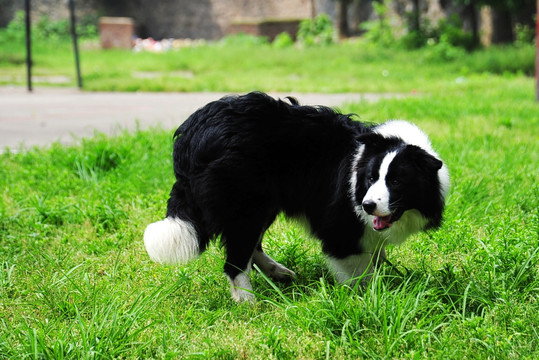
<point>241,160</point>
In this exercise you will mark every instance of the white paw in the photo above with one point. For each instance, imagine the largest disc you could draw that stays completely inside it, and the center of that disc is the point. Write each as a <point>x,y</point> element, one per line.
<point>241,289</point>
<point>242,296</point>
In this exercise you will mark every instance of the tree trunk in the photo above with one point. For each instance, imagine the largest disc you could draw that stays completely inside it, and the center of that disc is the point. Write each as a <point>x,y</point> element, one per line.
<point>475,24</point>
<point>502,26</point>
<point>342,11</point>
<point>471,11</point>
<point>414,26</point>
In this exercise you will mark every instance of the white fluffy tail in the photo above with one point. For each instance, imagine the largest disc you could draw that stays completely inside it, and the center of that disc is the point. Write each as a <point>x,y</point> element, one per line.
<point>171,241</point>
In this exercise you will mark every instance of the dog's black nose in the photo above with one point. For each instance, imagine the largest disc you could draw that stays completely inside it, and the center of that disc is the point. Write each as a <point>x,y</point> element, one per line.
<point>369,206</point>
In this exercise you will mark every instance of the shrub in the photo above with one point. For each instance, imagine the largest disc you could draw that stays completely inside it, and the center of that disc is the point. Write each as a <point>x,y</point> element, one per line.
<point>450,31</point>
<point>379,31</point>
<point>524,35</point>
<point>52,30</point>
<point>444,51</point>
<point>46,29</point>
<point>413,40</point>
<point>283,40</point>
<point>503,59</point>
<point>317,31</point>
<point>15,30</point>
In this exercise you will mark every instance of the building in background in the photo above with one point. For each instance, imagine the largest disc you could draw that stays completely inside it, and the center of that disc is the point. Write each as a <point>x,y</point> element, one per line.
<point>213,19</point>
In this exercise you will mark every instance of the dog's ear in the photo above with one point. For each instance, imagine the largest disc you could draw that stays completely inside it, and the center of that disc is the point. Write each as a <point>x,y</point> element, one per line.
<point>292,100</point>
<point>422,159</point>
<point>370,139</point>
<point>376,142</point>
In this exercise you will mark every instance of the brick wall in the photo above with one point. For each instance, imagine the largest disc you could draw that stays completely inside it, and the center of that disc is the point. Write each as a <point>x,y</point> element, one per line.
<point>54,9</point>
<point>208,19</point>
<point>212,19</point>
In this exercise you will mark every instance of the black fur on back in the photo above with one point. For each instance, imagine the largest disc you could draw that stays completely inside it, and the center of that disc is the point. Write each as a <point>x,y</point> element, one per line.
<point>241,160</point>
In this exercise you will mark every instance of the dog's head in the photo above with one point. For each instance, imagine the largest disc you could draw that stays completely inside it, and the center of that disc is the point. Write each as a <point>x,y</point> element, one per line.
<point>397,184</point>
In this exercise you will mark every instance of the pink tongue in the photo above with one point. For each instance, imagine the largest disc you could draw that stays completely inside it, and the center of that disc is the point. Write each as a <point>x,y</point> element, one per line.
<point>382,222</point>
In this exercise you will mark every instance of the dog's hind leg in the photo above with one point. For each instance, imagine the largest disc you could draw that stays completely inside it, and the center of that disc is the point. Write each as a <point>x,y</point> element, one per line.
<point>271,267</point>
<point>240,244</point>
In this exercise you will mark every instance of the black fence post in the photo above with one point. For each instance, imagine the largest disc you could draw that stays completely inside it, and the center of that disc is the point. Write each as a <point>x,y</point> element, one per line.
<point>75,41</point>
<point>28,45</point>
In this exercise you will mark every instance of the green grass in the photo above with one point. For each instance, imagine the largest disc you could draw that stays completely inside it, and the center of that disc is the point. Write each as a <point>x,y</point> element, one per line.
<point>75,281</point>
<point>348,67</point>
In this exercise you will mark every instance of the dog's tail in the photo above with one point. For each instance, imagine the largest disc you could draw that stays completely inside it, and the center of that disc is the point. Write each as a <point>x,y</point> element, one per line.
<point>171,241</point>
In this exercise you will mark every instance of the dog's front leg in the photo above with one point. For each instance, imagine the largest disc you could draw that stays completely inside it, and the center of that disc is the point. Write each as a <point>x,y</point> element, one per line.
<point>240,287</point>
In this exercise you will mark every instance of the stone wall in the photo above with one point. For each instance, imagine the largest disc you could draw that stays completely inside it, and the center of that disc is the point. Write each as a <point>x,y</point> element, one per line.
<point>213,19</point>
<point>207,19</point>
<point>53,9</point>
<point>228,12</point>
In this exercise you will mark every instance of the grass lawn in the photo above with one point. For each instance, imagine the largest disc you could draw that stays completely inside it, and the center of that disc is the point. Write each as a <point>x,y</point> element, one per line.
<point>349,67</point>
<point>75,281</point>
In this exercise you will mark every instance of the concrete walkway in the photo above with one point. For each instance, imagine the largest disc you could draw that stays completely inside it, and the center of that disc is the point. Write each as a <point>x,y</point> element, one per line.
<point>50,114</point>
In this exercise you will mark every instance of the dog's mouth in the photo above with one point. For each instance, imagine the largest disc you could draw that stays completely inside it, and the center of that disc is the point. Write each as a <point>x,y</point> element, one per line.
<point>381,223</point>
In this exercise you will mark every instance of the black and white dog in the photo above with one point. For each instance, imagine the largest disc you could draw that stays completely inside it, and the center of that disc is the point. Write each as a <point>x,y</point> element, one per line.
<point>241,160</point>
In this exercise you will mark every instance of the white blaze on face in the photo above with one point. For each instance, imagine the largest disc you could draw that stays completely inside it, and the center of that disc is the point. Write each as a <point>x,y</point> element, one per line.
<point>378,192</point>
<point>412,135</point>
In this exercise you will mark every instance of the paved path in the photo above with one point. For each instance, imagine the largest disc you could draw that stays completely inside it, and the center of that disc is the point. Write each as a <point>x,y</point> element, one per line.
<point>65,115</point>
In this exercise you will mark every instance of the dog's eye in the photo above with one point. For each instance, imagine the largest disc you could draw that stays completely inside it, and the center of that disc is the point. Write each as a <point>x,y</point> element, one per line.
<point>371,180</point>
<point>395,182</point>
